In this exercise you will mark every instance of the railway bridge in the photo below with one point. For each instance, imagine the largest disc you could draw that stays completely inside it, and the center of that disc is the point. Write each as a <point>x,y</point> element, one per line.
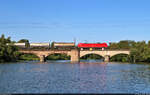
<point>75,53</point>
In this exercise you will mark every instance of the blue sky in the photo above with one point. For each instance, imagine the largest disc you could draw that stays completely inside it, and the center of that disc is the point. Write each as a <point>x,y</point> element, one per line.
<point>85,20</point>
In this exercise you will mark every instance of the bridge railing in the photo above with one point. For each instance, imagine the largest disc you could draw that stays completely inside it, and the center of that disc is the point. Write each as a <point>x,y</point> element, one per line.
<point>53,49</point>
<point>118,49</point>
<point>43,50</point>
<point>105,50</point>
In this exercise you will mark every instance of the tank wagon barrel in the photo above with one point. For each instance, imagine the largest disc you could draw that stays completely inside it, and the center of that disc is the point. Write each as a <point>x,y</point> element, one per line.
<point>63,45</point>
<point>39,44</point>
<point>21,45</point>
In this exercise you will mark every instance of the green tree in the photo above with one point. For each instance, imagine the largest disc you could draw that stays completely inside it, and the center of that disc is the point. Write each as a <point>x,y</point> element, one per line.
<point>27,44</point>
<point>140,52</point>
<point>125,44</point>
<point>8,52</point>
<point>52,45</point>
<point>113,46</point>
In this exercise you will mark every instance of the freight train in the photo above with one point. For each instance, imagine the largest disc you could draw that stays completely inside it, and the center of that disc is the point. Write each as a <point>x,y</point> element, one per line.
<point>62,46</point>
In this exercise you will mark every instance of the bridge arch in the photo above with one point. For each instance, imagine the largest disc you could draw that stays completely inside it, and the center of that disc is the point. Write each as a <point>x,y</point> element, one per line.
<point>55,53</point>
<point>120,57</point>
<point>29,56</point>
<point>57,56</point>
<point>91,54</point>
<point>87,53</point>
<point>119,53</point>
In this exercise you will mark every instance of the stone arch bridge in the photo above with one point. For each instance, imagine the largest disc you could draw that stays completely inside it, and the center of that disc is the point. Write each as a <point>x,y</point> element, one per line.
<point>76,54</point>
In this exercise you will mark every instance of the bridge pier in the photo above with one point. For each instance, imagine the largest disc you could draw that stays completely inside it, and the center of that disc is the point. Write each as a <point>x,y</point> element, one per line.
<point>106,58</point>
<point>75,55</point>
<point>42,58</point>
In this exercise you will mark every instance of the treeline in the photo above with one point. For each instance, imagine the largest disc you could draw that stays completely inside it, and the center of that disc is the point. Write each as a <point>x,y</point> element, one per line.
<point>7,52</point>
<point>139,51</point>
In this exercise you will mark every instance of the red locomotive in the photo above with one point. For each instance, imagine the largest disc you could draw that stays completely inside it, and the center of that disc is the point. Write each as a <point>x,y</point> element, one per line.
<point>92,46</point>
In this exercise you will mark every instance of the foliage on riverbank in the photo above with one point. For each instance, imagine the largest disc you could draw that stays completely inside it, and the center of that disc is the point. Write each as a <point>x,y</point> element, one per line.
<point>28,57</point>
<point>9,52</point>
<point>120,58</point>
<point>58,57</point>
<point>139,51</point>
<point>91,56</point>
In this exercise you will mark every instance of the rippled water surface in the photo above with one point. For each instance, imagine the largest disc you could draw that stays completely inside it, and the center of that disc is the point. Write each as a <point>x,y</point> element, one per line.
<point>83,77</point>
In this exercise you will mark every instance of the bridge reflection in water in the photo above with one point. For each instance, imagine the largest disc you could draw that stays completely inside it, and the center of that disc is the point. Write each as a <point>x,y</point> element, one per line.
<point>100,76</point>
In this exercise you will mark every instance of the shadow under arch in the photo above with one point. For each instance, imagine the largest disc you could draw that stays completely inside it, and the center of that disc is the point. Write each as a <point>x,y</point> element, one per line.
<point>92,56</point>
<point>58,56</point>
<point>121,57</point>
<point>28,56</point>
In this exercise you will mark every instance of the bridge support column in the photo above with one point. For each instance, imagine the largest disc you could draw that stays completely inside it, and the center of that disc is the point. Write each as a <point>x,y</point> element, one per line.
<point>106,58</point>
<point>75,55</point>
<point>42,58</point>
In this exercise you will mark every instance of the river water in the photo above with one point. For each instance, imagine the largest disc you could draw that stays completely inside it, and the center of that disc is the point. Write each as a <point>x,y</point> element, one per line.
<point>64,77</point>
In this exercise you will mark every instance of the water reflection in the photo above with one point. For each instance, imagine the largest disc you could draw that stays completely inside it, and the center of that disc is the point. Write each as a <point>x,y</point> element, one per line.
<point>83,77</point>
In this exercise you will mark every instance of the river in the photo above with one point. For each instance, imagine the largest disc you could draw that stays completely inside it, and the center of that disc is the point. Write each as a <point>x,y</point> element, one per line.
<point>64,77</point>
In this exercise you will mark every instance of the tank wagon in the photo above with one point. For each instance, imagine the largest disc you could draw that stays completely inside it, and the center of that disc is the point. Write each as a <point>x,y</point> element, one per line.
<point>21,45</point>
<point>92,46</point>
<point>63,45</point>
<point>39,45</point>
